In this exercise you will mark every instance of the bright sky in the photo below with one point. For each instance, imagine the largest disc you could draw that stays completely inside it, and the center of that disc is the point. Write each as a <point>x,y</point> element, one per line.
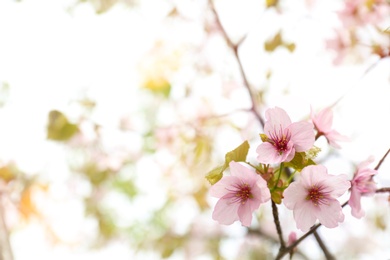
<point>49,57</point>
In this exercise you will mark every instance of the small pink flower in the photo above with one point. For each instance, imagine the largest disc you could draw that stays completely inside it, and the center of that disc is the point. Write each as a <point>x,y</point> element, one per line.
<point>313,196</point>
<point>362,184</point>
<point>283,137</point>
<point>240,194</point>
<point>323,123</point>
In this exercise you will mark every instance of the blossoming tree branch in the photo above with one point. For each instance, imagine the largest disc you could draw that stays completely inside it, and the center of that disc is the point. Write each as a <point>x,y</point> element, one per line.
<point>287,174</point>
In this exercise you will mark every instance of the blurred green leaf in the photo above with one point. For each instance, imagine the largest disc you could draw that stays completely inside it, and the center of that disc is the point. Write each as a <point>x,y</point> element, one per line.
<point>215,174</point>
<point>7,174</point>
<point>200,197</point>
<point>290,46</point>
<point>277,41</point>
<point>126,187</point>
<point>159,86</point>
<point>59,128</point>
<point>271,3</point>
<point>202,148</point>
<point>273,43</point>
<point>238,155</point>
<point>299,162</point>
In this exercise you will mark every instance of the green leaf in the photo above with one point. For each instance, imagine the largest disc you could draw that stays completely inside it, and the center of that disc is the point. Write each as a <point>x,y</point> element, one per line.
<point>127,187</point>
<point>271,3</point>
<point>238,155</point>
<point>158,86</point>
<point>215,174</point>
<point>299,162</point>
<point>59,128</point>
<point>273,43</point>
<point>290,46</point>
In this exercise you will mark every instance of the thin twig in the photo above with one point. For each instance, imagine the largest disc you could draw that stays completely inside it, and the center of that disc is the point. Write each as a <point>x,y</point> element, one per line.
<point>381,161</point>
<point>235,47</point>
<point>324,248</point>
<point>295,244</point>
<point>372,66</point>
<point>277,225</point>
<point>387,189</point>
<point>291,247</point>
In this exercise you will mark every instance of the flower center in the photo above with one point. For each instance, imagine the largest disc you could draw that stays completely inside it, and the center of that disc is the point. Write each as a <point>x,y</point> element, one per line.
<point>240,193</point>
<point>280,140</point>
<point>316,195</point>
<point>244,193</point>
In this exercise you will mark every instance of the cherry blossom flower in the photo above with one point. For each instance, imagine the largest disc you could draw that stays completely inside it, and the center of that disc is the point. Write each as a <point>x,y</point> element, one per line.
<point>283,137</point>
<point>240,194</point>
<point>323,123</point>
<point>361,184</point>
<point>313,196</point>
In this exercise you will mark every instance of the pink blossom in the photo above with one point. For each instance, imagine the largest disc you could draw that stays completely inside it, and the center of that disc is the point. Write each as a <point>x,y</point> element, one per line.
<point>240,194</point>
<point>362,184</point>
<point>313,196</point>
<point>283,137</point>
<point>323,123</point>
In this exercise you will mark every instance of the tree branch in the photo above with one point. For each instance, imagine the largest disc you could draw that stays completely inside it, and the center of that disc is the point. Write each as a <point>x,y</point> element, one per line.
<point>234,48</point>
<point>382,160</point>
<point>324,248</point>
<point>387,189</point>
<point>277,225</point>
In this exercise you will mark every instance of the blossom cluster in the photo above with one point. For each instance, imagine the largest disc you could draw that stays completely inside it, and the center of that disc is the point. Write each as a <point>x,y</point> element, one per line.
<point>309,191</point>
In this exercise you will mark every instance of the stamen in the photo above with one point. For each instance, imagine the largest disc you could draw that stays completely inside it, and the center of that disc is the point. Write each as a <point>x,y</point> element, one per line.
<point>241,193</point>
<point>280,140</point>
<point>317,196</point>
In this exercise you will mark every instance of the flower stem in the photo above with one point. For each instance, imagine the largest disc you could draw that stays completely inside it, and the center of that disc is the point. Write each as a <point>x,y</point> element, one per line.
<point>291,176</point>
<point>280,173</point>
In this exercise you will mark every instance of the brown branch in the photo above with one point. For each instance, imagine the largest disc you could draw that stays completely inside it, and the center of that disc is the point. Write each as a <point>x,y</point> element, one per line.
<point>382,160</point>
<point>277,225</point>
<point>324,248</point>
<point>387,189</point>
<point>295,244</point>
<point>235,47</point>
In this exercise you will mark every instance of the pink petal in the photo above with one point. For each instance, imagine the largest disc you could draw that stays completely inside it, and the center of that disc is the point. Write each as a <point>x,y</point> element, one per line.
<point>245,174</point>
<point>323,120</point>
<point>267,154</point>
<point>354,203</point>
<point>245,214</point>
<point>225,211</point>
<point>221,188</point>
<point>302,135</point>
<point>313,175</point>
<point>294,194</point>
<point>260,191</point>
<point>304,216</point>
<point>330,214</point>
<point>276,118</point>
<point>333,137</point>
<point>365,163</point>
<point>338,184</point>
